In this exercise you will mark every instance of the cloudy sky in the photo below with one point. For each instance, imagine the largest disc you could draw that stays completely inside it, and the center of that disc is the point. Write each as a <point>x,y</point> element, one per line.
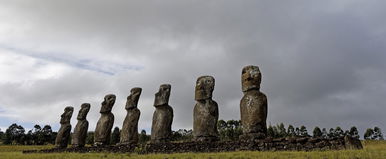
<point>323,62</point>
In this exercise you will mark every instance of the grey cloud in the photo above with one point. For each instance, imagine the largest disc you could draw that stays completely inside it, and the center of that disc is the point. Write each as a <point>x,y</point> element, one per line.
<point>322,62</point>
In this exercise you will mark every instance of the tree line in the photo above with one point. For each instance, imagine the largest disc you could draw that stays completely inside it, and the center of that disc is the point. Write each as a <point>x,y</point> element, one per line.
<point>228,131</point>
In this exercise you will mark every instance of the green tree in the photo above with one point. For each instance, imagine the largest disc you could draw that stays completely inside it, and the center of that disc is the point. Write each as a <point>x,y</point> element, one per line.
<point>270,131</point>
<point>297,131</point>
<point>53,137</point>
<point>176,136</point>
<point>317,132</point>
<point>331,133</point>
<point>303,131</point>
<point>291,131</point>
<point>90,138</point>
<point>353,132</point>
<point>324,133</point>
<point>338,132</point>
<point>29,138</point>
<point>378,133</point>
<point>14,135</point>
<point>182,135</point>
<point>229,130</point>
<point>1,136</point>
<point>234,129</point>
<point>47,134</point>
<point>143,138</point>
<point>282,132</point>
<point>115,136</point>
<point>369,133</point>
<point>37,136</point>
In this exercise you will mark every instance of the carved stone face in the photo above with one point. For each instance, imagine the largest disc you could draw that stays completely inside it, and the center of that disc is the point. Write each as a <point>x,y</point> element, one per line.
<point>162,96</point>
<point>250,78</point>
<point>66,116</point>
<point>204,88</point>
<point>84,109</point>
<point>108,103</point>
<point>132,99</point>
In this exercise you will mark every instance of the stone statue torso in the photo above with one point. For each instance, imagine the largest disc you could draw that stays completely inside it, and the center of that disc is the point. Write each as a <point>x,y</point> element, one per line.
<point>64,133</point>
<point>253,108</point>
<point>162,123</point>
<point>80,133</point>
<point>103,128</point>
<point>205,119</point>
<point>129,130</point>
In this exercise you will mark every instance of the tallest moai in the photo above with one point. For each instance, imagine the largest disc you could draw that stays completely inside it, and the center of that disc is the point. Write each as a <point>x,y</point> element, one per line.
<point>253,105</point>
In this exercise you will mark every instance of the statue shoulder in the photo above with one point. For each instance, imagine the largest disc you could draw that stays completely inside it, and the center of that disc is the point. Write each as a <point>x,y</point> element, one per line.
<point>263,95</point>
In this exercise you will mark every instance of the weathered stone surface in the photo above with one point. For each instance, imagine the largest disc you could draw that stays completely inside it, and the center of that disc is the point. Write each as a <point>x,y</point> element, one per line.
<point>81,128</point>
<point>205,114</point>
<point>161,129</point>
<point>282,144</point>
<point>64,132</point>
<point>105,122</point>
<point>129,132</point>
<point>253,105</point>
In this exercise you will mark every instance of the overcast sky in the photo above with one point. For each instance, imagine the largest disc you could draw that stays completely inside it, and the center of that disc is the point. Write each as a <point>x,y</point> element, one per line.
<point>323,62</point>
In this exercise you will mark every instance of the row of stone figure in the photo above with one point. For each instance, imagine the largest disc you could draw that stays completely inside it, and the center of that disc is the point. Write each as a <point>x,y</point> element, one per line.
<point>253,109</point>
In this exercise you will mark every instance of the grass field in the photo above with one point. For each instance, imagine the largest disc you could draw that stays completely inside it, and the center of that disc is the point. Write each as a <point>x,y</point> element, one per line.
<point>372,150</point>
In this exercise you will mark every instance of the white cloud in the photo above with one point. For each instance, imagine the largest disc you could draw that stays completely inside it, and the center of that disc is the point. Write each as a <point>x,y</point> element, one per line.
<point>24,70</point>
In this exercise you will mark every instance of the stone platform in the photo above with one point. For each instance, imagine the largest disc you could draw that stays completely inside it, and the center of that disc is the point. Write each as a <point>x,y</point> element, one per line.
<point>280,144</point>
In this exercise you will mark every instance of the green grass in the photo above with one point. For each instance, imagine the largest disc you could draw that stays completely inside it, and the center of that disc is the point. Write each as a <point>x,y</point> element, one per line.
<point>372,150</point>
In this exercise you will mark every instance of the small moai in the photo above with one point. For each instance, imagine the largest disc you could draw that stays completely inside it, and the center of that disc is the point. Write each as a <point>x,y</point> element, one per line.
<point>64,132</point>
<point>253,105</point>
<point>105,123</point>
<point>81,128</point>
<point>129,132</point>
<point>205,114</point>
<point>161,129</point>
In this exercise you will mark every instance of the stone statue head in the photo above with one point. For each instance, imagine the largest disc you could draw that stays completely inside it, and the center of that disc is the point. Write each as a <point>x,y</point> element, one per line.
<point>84,109</point>
<point>66,116</point>
<point>204,88</point>
<point>108,103</point>
<point>132,99</point>
<point>250,78</point>
<point>162,96</point>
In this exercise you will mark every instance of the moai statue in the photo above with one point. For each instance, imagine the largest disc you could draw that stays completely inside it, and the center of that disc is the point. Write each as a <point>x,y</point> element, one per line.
<point>253,105</point>
<point>64,132</point>
<point>81,128</point>
<point>161,129</point>
<point>205,113</point>
<point>129,132</point>
<point>105,122</point>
